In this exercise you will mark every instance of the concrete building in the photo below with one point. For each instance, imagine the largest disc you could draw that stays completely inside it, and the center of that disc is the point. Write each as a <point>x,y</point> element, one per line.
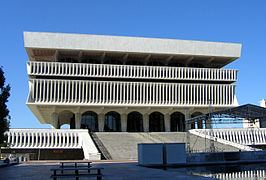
<point>115,83</point>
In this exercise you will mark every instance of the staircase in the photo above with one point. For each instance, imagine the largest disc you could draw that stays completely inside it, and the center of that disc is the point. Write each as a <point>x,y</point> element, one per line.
<point>101,148</point>
<point>148,137</point>
<point>123,145</point>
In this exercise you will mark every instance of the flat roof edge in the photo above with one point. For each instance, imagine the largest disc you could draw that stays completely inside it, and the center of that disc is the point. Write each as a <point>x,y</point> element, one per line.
<point>65,41</point>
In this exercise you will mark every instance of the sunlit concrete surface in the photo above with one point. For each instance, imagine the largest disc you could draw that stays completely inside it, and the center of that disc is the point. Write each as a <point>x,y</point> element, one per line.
<point>130,44</point>
<point>111,171</point>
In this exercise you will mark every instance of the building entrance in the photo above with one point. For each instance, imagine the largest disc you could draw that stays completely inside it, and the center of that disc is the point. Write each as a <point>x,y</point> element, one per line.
<point>112,122</point>
<point>89,120</point>
<point>156,122</point>
<point>177,122</point>
<point>134,122</point>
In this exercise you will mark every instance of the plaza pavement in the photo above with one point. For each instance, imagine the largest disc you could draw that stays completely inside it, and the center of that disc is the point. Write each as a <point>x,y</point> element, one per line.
<point>113,170</point>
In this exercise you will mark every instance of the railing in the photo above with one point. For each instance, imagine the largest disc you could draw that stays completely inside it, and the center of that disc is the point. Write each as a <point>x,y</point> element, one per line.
<point>81,92</point>
<point>130,71</point>
<point>53,139</point>
<point>243,174</point>
<point>210,134</point>
<point>245,136</point>
<point>43,138</point>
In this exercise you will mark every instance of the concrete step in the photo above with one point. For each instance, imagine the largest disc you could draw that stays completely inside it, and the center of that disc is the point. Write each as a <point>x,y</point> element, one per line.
<point>123,145</point>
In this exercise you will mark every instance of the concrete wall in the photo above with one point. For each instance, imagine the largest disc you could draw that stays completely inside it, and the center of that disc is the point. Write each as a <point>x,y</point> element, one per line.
<point>226,157</point>
<point>47,154</point>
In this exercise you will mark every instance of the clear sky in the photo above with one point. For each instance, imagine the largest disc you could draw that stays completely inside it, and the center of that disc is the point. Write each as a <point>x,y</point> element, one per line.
<point>239,21</point>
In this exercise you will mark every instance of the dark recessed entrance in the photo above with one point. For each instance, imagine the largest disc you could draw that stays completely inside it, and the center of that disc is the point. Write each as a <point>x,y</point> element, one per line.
<point>156,122</point>
<point>134,122</point>
<point>177,122</point>
<point>89,121</point>
<point>112,122</point>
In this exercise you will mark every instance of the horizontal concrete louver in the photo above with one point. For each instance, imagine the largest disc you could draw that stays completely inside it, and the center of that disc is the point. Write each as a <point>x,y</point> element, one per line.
<point>32,139</point>
<point>130,71</point>
<point>45,91</point>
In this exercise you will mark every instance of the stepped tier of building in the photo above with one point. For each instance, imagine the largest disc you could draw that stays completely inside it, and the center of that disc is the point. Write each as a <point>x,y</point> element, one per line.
<point>128,84</point>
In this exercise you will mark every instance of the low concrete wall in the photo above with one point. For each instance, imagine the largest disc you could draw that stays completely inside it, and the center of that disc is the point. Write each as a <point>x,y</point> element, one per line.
<point>66,140</point>
<point>46,154</point>
<point>226,157</point>
<point>174,154</point>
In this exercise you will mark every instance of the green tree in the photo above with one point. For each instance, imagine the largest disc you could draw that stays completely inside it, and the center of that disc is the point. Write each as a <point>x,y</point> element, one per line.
<point>4,112</point>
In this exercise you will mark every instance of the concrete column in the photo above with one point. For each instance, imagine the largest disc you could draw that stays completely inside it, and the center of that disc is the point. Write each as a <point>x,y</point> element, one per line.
<point>101,122</point>
<point>77,120</point>
<point>146,122</point>
<point>188,127</point>
<point>208,123</point>
<point>167,122</point>
<point>187,116</point>
<point>193,125</point>
<point>124,122</point>
<point>200,124</point>
<point>180,126</point>
<point>17,135</point>
<point>54,120</point>
<point>8,138</point>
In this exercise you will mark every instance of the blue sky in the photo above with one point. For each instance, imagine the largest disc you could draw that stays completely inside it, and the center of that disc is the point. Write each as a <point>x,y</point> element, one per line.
<point>239,21</point>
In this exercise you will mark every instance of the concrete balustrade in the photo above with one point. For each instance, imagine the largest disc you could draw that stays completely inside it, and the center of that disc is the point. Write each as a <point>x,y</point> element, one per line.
<point>44,138</point>
<point>250,174</point>
<point>53,139</point>
<point>78,92</point>
<point>240,138</point>
<point>129,71</point>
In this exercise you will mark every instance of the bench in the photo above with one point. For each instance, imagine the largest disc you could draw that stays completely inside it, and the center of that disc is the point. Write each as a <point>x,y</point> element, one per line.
<point>77,174</point>
<point>76,165</point>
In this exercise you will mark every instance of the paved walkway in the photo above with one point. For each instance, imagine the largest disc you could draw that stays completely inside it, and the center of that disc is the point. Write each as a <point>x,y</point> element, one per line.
<point>112,171</point>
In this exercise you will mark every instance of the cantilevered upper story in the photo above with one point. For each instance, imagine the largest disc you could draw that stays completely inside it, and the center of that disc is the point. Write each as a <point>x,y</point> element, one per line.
<point>114,57</point>
<point>55,46</point>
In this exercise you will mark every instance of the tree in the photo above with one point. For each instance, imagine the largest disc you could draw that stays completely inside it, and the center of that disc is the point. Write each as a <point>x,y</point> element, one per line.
<point>4,112</point>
